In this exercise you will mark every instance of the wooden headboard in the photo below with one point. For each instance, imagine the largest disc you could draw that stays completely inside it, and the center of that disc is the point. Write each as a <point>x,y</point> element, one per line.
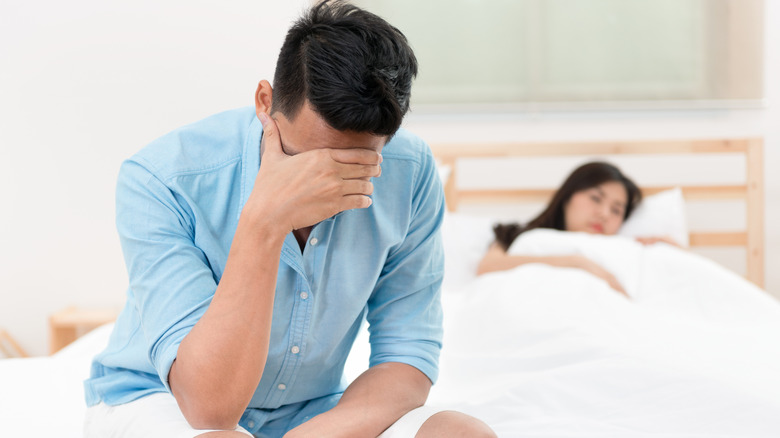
<point>751,191</point>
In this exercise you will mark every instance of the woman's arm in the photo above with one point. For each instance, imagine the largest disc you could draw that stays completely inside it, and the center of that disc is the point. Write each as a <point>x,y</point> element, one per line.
<point>651,240</point>
<point>496,259</point>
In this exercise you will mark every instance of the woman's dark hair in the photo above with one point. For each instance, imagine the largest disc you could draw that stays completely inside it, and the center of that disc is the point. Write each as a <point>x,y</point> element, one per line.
<point>354,68</point>
<point>583,178</point>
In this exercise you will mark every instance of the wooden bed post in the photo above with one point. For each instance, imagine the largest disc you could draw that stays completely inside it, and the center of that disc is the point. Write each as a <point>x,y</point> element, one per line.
<point>755,210</point>
<point>450,187</point>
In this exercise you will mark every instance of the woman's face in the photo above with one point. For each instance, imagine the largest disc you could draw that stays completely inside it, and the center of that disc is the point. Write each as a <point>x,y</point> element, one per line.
<point>598,210</point>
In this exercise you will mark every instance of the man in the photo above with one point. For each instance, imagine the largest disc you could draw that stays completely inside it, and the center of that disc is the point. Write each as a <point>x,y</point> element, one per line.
<point>254,253</point>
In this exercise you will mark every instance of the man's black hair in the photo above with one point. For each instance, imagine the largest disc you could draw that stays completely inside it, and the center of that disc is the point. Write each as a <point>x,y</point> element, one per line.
<point>354,68</point>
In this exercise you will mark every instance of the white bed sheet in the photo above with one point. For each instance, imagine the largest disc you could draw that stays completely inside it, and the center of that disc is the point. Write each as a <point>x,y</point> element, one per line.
<point>549,352</point>
<point>546,352</point>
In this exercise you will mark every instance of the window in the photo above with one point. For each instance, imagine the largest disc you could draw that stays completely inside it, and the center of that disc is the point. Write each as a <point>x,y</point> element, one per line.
<point>582,53</point>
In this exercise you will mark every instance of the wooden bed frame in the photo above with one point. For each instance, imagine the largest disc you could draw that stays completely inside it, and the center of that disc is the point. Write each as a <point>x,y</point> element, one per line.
<point>752,191</point>
<point>10,347</point>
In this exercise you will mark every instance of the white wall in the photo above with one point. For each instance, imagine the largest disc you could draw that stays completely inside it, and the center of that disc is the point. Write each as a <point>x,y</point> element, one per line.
<point>86,83</point>
<point>83,85</point>
<point>597,125</point>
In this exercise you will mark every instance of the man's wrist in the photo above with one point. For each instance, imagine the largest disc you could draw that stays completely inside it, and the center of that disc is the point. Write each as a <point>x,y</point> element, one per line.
<point>265,220</point>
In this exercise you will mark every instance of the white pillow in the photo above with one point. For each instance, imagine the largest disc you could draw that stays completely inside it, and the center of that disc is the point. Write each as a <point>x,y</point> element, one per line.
<point>466,240</point>
<point>662,214</point>
<point>444,172</point>
<point>467,237</point>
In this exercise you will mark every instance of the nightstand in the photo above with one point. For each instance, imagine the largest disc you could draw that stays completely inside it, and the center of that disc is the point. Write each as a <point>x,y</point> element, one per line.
<point>69,324</point>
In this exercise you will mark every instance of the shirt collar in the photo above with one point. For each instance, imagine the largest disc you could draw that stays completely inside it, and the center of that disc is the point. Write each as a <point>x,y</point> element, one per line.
<point>250,161</point>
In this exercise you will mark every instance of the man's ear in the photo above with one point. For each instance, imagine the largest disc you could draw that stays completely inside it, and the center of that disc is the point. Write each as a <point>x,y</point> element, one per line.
<point>263,98</point>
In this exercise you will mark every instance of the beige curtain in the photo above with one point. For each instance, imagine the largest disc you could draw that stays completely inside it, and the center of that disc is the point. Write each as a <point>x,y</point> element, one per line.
<point>575,53</point>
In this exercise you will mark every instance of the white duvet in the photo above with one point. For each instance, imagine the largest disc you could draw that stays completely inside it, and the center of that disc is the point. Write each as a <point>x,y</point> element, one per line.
<point>555,352</point>
<point>546,352</point>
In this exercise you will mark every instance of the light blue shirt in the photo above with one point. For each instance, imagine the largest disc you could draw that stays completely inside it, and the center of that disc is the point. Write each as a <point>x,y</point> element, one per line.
<point>178,205</point>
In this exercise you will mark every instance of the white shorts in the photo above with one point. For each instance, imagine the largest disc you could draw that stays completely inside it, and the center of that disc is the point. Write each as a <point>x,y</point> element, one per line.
<point>158,415</point>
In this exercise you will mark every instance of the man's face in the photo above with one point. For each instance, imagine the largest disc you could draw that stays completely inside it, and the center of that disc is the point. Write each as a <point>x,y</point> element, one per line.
<point>308,131</point>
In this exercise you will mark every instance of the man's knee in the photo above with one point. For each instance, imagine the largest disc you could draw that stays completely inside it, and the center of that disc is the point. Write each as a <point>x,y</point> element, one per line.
<point>453,424</point>
<point>223,434</point>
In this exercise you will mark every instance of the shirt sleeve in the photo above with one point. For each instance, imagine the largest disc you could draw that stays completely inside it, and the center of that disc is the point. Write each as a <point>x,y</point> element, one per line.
<point>404,312</point>
<point>171,283</point>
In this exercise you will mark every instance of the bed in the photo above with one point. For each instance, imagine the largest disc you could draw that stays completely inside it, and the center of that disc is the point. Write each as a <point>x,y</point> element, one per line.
<point>551,352</point>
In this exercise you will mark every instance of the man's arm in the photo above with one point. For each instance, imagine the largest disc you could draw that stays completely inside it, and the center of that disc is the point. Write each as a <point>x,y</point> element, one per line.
<point>219,363</point>
<point>215,372</point>
<point>371,404</point>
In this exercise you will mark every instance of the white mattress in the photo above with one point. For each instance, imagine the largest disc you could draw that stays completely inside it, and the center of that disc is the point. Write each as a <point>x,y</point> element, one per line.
<point>546,352</point>
<point>44,396</point>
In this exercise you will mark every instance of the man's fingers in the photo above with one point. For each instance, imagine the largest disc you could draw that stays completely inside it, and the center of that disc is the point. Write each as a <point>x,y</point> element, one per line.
<point>272,143</point>
<point>357,187</point>
<point>354,201</point>
<point>357,171</point>
<point>356,156</point>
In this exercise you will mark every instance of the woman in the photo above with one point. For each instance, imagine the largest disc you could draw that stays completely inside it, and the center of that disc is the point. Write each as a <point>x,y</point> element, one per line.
<point>596,198</point>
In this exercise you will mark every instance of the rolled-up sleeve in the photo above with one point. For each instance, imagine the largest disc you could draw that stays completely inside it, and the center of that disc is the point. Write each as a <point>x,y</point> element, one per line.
<point>404,312</point>
<point>171,283</point>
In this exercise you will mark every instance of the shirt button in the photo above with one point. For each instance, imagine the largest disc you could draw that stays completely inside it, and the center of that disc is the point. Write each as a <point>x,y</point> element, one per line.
<point>313,241</point>
<point>304,295</point>
<point>251,424</point>
<point>282,387</point>
<point>295,350</point>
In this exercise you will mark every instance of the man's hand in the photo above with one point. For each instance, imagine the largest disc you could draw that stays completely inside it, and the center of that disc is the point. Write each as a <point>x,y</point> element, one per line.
<point>307,188</point>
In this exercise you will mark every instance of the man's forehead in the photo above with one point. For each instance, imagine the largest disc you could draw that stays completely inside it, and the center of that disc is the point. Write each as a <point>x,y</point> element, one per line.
<point>308,131</point>
<point>294,150</point>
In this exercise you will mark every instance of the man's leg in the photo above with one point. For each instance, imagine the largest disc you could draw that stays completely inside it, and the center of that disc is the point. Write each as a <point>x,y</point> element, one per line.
<point>153,416</point>
<point>453,424</point>
<point>430,422</point>
<point>223,434</point>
